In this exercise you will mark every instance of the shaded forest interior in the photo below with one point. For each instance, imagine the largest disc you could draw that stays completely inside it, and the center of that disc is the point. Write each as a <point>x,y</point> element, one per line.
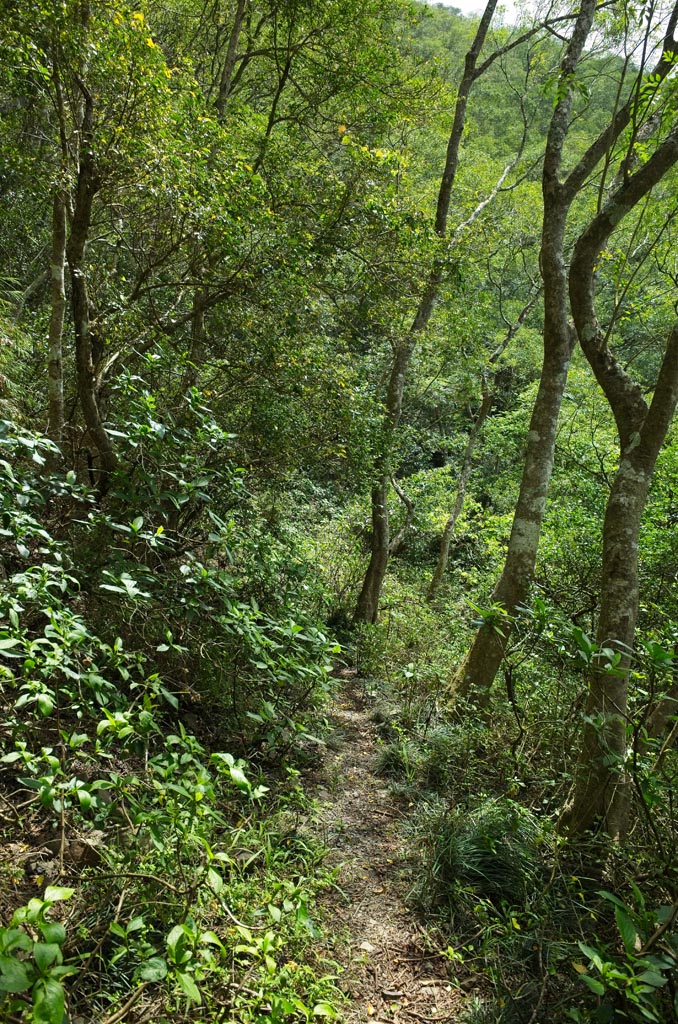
<point>338,349</point>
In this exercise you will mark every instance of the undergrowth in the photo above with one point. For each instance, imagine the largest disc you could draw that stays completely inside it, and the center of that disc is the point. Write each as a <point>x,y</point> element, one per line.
<point>154,865</point>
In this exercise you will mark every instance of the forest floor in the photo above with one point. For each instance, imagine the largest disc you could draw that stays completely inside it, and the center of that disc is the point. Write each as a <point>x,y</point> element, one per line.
<point>393,971</point>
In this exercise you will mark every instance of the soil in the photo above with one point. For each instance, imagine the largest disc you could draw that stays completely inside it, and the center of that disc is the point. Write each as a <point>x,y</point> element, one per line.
<point>393,969</point>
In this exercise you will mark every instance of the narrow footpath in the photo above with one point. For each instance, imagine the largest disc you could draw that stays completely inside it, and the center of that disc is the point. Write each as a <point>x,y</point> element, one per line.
<point>393,972</point>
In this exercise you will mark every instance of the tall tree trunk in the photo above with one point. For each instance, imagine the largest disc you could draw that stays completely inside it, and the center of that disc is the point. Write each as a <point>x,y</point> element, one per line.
<point>367,607</point>
<point>55,407</point>
<point>476,674</point>
<point>86,189</point>
<point>478,670</point>
<point>599,791</point>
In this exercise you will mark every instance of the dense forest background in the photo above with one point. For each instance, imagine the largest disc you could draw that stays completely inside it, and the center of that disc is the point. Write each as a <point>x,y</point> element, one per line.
<point>336,333</point>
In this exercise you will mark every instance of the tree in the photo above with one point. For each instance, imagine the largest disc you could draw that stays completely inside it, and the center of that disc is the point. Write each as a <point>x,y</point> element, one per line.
<point>560,187</point>
<point>367,607</point>
<point>599,790</point>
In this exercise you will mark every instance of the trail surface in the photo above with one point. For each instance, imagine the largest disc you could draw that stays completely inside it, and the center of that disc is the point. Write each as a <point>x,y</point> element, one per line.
<point>392,972</point>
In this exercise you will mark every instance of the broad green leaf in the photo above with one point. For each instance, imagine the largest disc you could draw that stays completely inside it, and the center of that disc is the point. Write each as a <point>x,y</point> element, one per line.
<point>48,1002</point>
<point>324,1010</point>
<point>14,976</point>
<point>154,969</point>
<point>45,953</point>
<point>592,954</point>
<point>52,931</point>
<point>596,986</point>
<point>627,929</point>
<point>652,978</point>
<point>189,987</point>
<point>210,938</point>
<point>214,880</point>
<point>14,938</point>
<point>45,704</point>
<point>58,892</point>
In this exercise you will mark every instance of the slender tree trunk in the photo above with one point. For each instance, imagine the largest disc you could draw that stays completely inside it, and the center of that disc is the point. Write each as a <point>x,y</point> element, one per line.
<point>226,80</point>
<point>397,542</point>
<point>55,414</point>
<point>600,791</point>
<point>86,189</point>
<point>462,483</point>
<point>476,674</point>
<point>367,607</point>
<point>479,668</point>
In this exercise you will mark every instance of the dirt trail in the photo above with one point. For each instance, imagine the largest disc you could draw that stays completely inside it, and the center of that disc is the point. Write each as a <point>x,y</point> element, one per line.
<point>391,973</point>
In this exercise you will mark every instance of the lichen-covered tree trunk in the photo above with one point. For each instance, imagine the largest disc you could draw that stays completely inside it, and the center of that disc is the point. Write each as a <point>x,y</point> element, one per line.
<point>599,794</point>
<point>599,790</point>
<point>478,670</point>
<point>476,674</point>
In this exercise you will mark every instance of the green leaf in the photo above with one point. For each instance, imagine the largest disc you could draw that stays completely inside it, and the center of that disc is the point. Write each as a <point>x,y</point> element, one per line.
<point>214,880</point>
<point>592,954</point>
<point>154,969</point>
<point>14,938</point>
<point>58,892</point>
<point>324,1010</point>
<point>7,642</point>
<point>45,704</point>
<point>275,913</point>
<point>48,1002</point>
<point>189,987</point>
<point>14,975</point>
<point>627,929</point>
<point>611,898</point>
<point>596,986</point>
<point>652,978</point>
<point>52,931</point>
<point>45,953</point>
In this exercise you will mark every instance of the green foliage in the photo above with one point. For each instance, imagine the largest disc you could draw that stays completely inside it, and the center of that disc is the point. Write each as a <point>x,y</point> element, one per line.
<point>629,986</point>
<point>35,965</point>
